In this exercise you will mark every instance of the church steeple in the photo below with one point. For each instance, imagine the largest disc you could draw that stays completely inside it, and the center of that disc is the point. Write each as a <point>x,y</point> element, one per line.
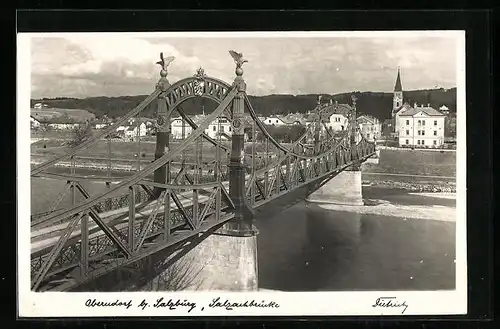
<point>397,101</point>
<point>398,86</point>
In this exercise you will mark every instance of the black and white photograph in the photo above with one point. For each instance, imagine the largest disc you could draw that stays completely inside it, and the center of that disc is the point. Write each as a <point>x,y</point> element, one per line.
<point>242,173</point>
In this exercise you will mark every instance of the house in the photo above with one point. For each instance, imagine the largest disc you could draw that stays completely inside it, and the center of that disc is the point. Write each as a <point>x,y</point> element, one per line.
<point>338,116</point>
<point>444,109</point>
<point>274,121</point>
<point>220,126</point>
<point>64,125</point>
<point>39,106</point>
<point>121,128</point>
<point>421,126</point>
<point>293,119</point>
<point>131,132</point>
<point>64,122</point>
<point>178,126</point>
<point>370,127</point>
<point>35,123</point>
<point>101,125</point>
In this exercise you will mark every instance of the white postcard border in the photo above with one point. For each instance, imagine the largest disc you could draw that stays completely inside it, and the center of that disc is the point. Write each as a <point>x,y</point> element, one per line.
<point>32,304</point>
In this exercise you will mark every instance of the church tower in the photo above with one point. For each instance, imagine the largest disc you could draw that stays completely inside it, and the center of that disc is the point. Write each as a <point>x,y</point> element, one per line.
<point>397,100</point>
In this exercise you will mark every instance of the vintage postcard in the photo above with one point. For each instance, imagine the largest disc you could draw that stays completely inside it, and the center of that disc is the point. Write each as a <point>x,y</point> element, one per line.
<point>241,173</point>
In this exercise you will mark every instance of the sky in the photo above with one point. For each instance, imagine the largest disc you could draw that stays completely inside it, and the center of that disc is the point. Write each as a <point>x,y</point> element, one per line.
<point>82,65</point>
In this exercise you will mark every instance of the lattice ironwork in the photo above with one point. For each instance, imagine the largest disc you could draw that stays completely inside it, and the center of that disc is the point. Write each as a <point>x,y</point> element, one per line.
<point>136,218</point>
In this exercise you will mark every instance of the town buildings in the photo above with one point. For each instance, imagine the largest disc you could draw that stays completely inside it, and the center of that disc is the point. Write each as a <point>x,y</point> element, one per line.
<point>416,126</point>
<point>421,126</point>
<point>370,127</point>
<point>336,116</point>
<point>180,128</point>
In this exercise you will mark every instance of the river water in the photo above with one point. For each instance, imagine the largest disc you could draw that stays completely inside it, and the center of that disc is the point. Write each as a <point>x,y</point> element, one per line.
<point>307,248</point>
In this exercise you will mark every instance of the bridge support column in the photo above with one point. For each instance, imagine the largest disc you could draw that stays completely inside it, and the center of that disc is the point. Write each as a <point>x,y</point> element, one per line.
<point>161,175</point>
<point>242,225</point>
<point>218,263</point>
<point>344,189</point>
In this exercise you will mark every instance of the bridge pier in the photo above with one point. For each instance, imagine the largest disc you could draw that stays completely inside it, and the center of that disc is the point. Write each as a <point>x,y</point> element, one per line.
<point>343,189</point>
<point>218,262</point>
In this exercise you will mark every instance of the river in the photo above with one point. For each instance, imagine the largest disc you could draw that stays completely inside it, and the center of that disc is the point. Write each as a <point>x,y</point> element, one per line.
<point>308,248</point>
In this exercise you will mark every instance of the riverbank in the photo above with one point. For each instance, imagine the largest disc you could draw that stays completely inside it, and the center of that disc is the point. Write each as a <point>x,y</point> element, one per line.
<point>405,212</point>
<point>427,187</point>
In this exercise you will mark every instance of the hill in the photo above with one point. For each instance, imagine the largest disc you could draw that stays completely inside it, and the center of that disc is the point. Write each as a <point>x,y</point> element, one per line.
<point>378,104</point>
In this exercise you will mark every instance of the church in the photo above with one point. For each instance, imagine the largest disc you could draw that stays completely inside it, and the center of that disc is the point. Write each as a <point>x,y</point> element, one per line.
<point>398,106</point>
<point>417,126</point>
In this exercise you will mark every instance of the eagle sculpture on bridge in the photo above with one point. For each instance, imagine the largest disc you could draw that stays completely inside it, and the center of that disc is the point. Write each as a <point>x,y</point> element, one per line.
<point>164,62</point>
<point>238,58</point>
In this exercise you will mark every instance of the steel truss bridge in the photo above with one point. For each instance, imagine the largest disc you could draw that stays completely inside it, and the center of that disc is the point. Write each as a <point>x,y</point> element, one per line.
<point>189,188</point>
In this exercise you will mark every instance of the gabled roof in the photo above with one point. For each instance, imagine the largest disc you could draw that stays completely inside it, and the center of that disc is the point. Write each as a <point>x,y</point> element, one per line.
<point>403,108</point>
<point>367,119</point>
<point>427,110</point>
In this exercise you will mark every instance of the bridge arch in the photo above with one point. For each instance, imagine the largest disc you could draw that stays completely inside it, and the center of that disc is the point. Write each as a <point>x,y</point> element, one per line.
<point>199,85</point>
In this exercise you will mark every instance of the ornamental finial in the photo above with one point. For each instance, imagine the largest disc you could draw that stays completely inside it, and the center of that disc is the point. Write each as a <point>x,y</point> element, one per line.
<point>200,72</point>
<point>238,60</point>
<point>164,62</point>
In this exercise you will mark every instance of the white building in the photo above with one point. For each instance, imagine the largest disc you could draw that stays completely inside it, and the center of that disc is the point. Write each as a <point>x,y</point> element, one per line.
<point>370,127</point>
<point>34,123</point>
<point>220,125</point>
<point>131,131</point>
<point>64,126</point>
<point>395,117</point>
<point>274,121</point>
<point>421,126</point>
<point>101,125</point>
<point>176,128</point>
<point>444,109</point>
<point>338,120</point>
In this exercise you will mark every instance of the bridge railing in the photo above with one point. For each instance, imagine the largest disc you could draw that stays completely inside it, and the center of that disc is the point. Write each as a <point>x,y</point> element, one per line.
<point>195,220</point>
<point>149,224</point>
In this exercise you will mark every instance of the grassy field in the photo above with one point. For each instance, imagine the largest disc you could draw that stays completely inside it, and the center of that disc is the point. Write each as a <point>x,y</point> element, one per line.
<point>52,112</point>
<point>417,162</point>
<point>119,149</point>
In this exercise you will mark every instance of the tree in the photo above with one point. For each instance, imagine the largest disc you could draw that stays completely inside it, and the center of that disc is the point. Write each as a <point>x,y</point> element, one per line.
<point>450,126</point>
<point>81,133</point>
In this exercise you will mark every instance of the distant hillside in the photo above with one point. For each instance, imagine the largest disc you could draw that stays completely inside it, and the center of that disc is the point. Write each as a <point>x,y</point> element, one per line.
<point>377,104</point>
